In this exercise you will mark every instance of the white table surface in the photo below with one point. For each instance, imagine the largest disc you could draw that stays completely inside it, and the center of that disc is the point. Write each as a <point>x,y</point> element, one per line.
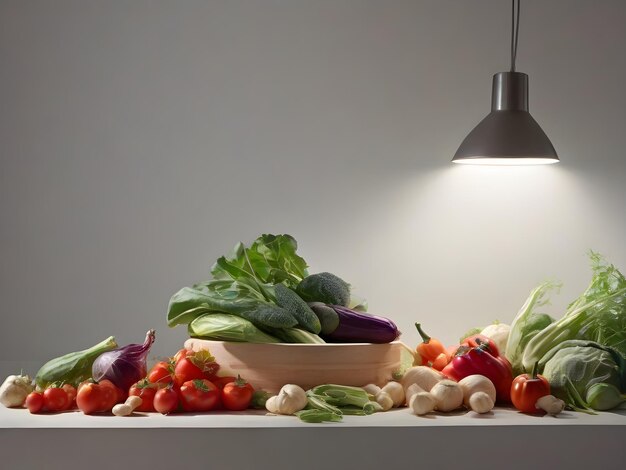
<point>503,439</point>
<point>20,418</point>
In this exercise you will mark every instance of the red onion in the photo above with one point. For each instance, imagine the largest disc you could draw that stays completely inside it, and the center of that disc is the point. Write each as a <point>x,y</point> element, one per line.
<point>124,366</point>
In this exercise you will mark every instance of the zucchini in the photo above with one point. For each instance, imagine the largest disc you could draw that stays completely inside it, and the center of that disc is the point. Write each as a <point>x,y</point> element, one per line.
<point>74,367</point>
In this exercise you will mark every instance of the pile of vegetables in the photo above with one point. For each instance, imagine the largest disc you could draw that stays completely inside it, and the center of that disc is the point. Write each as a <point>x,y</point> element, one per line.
<point>94,380</point>
<point>578,360</point>
<point>101,379</point>
<point>264,294</point>
<point>583,354</point>
<point>189,381</point>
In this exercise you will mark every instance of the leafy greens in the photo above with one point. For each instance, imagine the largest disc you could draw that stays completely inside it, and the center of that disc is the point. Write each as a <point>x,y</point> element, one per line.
<point>599,314</point>
<point>243,284</point>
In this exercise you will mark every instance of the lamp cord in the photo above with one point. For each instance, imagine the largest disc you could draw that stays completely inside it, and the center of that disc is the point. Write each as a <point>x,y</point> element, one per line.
<point>514,32</point>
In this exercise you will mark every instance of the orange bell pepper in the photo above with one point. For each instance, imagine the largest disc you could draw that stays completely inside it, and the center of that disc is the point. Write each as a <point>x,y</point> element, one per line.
<point>430,348</point>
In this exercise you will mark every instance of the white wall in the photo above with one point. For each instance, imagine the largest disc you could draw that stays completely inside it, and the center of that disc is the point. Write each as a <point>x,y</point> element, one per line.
<point>140,140</point>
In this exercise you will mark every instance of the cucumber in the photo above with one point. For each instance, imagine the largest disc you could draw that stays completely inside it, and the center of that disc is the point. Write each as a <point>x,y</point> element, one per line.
<point>297,307</point>
<point>327,316</point>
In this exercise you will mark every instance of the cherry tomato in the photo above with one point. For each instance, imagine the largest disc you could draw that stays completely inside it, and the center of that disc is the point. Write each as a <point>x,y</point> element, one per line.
<point>162,373</point>
<point>186,370</point>
<point>237,395</point>
<point>199,395</point>
<point>527,389</point>
<point>145,390</point>
<point>219,382</point>
<point>166,400</point>
<point>199,365</point>
<point>182,353</point>
<point>34,402</point>
<point>98,397</point>
<point>55,399</point>
<point>71,393</point>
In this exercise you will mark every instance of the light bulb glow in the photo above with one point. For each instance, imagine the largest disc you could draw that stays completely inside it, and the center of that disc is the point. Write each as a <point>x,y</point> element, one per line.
<point>507,161</point>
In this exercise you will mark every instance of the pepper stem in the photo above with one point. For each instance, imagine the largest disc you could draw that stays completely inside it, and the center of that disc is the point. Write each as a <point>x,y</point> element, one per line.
<point>425,337</point>
<point>533,372</point>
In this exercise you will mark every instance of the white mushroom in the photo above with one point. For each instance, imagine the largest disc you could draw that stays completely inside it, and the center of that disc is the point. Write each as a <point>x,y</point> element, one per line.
<point>448,395</point>
<point>289,400</point>
<point>396,392</point>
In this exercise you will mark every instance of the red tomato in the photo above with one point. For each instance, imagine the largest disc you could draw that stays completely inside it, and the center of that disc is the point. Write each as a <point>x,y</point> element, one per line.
<point>237,395</point>
<point>199,395</point>
<point>55,399</point>
<point>97,397</point>
<point>182,353</point>
<point>146,391</point>
<point>219,382</point>
<point>185,370</point>
<point>162,373</point>
<point>198,365</point>
<point>34,402</point>
<point>166,400</point>
<point>527,389</point>
<point>71,393</point>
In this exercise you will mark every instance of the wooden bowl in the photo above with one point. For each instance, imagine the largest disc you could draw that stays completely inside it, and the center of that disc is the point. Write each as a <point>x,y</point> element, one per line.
<point>269,366</point>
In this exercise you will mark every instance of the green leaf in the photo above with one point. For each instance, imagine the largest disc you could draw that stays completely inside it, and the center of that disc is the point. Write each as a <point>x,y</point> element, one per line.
<point>271,259</point>
<point>225,327</point>
<point>189,303</point>
<point>318,416</point>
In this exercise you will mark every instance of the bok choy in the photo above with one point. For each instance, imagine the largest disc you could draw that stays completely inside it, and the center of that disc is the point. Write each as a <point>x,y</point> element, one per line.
<point>599,315</point>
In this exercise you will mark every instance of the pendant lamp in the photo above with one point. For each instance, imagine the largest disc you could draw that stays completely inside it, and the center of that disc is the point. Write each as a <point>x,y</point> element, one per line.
<point>508,135</point>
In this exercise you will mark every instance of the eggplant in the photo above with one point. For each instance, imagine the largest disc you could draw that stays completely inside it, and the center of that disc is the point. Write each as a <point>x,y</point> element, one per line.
<point>344,325</point>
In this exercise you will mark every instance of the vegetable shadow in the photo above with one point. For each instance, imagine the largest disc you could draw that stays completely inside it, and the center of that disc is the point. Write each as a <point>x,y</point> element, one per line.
<point>474,415</point>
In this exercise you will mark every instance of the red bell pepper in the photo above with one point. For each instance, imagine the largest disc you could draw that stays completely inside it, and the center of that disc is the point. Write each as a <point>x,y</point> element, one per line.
<point>479,355</point>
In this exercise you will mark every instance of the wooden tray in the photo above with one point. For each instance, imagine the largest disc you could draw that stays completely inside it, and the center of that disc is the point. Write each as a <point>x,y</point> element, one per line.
<point>270,366</point>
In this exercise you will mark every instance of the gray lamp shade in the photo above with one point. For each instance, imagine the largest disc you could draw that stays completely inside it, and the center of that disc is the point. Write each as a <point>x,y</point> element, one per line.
<point>508,135</point>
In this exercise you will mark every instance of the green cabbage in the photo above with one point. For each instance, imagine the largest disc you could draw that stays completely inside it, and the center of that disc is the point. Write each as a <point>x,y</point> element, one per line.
<point>584,374</point>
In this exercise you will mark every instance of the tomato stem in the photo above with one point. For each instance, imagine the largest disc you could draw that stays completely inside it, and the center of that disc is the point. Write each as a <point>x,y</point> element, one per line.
<point>239,382</point>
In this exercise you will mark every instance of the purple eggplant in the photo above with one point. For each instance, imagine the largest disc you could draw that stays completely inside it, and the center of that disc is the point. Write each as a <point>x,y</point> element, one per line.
<point>344,325</point>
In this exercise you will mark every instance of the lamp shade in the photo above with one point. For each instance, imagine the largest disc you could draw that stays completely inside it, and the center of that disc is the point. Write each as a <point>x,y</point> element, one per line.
<point>508,135</point>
